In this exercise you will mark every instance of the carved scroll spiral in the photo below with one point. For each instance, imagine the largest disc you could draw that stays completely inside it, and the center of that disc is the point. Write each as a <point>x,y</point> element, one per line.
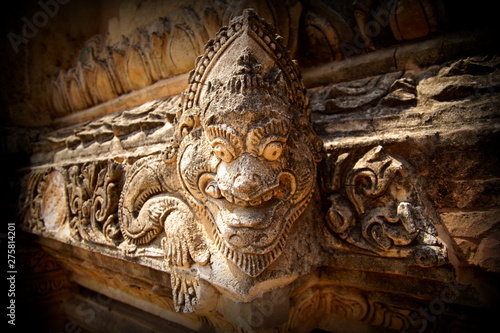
<point>371,178</point>
<point>93,191</point>
<point>326,303</point>
<point>31,205</point>
<point>382,211</point>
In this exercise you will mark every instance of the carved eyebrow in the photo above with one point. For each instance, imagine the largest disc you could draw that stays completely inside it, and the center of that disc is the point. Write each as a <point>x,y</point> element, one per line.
<point>275,127</point>
<point>224,131</point>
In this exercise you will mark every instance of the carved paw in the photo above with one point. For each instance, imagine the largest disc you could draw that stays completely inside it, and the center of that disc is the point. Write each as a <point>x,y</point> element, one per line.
<point>176,251</point>
<point>184,291</point>
<point>183,243</point>
<point>182,250</point>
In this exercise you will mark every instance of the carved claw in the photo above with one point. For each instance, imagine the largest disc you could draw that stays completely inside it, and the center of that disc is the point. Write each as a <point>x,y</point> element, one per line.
<point>183,243</point>
<point>184,291</point>
<point>181,251</point>
<point>176,251</point>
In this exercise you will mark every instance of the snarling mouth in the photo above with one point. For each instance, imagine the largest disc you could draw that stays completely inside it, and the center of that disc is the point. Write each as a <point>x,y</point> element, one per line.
<point>252,231</point>
<point>249,225</point>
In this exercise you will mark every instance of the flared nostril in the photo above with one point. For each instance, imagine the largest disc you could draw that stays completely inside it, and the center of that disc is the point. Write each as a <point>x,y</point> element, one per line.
<point>247,184</point>
<point>212,189</point>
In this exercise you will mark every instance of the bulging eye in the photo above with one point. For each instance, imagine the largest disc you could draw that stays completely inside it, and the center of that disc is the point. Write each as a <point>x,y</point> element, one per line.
<point>223,153</point>
<point>272,151</point>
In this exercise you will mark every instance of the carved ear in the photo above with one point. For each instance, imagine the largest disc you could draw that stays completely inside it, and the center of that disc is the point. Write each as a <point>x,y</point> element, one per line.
<point>186,124</point>
<point>314,143</point>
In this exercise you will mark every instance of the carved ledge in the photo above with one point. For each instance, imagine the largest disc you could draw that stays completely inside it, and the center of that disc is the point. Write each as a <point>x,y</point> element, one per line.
<point>229,182</point>
<point>240,188</point>
<point>168,46</point>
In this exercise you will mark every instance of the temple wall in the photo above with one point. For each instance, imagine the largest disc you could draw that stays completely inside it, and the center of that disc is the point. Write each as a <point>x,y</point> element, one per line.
<point>342,177</point>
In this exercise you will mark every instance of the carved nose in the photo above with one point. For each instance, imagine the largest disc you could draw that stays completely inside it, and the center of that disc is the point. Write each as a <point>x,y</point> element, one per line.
<point>246,185</point>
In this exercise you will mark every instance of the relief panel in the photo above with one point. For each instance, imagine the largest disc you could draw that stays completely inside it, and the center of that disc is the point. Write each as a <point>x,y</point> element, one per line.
<point>243,190</point>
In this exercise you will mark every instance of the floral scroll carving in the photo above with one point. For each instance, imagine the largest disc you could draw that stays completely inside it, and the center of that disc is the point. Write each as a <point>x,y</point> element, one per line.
<point>93,192</point>
<point>31,203</point>
<point>328,302</point>
<point>382,211</point>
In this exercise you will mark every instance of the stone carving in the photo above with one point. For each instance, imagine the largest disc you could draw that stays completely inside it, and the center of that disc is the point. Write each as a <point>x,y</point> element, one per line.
<point>323,304</point>
<point>374,93</point>
<point>150,205</point>
<point>168,46</point>
<point>45,206</point>
<point>247,152</point>
<point>244,154</point>
<point>233,171</point>
<point>31,203</point>
<point>49,275</point>
<point>382,211</point>
<point>93,200</point>
<point>162,49</point>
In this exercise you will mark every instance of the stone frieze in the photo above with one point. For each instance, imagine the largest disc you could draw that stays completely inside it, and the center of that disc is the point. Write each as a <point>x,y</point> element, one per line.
<point>168,46</point>
<point>240,188</point>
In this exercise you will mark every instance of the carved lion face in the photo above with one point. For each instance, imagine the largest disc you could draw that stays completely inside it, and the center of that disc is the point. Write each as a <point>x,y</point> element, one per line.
<point>252,174</point>
<point>247,150</point>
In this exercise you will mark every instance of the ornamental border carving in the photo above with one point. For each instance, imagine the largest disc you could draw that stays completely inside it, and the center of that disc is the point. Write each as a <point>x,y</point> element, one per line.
<point>243,184</point>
